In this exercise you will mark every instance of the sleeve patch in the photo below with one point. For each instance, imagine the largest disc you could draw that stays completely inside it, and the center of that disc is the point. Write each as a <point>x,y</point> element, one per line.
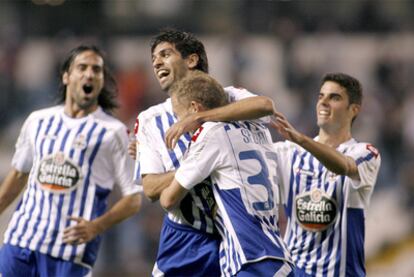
<point>373,150</point>
<point>196,134</point>
<point>136,126</point>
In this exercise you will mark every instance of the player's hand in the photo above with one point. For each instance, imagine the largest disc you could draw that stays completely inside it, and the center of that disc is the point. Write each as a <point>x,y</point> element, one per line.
<point>282,125</point>
<point>82,232</point>
<point>132,148</point>
<point>188,124</point>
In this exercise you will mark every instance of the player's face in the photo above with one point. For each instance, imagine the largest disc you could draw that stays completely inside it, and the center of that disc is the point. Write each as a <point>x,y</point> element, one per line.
<point>84,80</point>
<point>168,64</point>
<point>333,109</point>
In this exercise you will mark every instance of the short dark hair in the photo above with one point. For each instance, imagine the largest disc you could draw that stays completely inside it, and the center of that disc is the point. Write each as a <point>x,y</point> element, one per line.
<point>109,92</point>
<point>186,43</point>
<point>199,86</point>
<point>352,86</point>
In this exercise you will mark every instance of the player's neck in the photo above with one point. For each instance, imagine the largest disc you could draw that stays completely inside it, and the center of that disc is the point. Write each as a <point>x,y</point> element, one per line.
<point>74,111</point>
<point>334,138</point>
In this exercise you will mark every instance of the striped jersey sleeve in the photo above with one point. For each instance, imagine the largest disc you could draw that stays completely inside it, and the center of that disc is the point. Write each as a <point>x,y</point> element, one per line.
<point>368,161</point>
<point>23,155</point>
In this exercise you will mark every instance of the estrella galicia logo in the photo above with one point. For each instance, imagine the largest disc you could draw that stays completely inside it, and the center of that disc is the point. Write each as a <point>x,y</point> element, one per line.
<point>58,174</point>
<point>315,210</point>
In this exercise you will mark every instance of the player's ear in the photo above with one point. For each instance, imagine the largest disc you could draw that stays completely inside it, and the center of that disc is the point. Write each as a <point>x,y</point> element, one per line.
<point>192,61</point>
<point>196,107</point>
<point>355,108</point>
<point>65,78</point>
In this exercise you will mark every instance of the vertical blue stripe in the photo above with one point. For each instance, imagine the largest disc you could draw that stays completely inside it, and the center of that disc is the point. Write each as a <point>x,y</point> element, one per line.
<point>180,143</point>
<point>331,235</point>
<point>291,184</point>
<point>197,192</point>
<point>305,234</point>
<point>90,163</point>
<point>137,173</point>
<point>82,126</point>
<point>88,138</point>
<point>41,207</point>
<point>172,155</point>
<point>86,183</point>
<point>73,193</point>
<point>31,186</point>
<point>342,209</point>
<point>323,233</point>
<point>37,135</point>
<point>296,186</point>
<point>52,143</point>
<point>55,230</point>
<point>48,224</point>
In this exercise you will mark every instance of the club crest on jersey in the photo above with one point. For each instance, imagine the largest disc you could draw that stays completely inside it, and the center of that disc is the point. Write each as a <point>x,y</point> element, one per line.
<point>56,173</point>
<point>80,142</point>
<point>315,210</point>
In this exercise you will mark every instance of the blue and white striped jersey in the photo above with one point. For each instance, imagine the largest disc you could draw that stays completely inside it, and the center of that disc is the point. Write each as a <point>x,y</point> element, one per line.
<point>325,231</point>
<point>240,161</point>
<point>155,158</point>
<point>73,164</point>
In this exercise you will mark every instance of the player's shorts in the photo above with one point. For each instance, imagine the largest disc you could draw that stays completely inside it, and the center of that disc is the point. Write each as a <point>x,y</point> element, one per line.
<point>22,262</point>
<point>184,251</point>
<point>267,267</point>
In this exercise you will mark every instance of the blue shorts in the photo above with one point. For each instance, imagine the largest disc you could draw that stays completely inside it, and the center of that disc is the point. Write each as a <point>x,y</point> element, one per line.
<point>267,267</point>
<point>16,262</point>
<point>184,251</point>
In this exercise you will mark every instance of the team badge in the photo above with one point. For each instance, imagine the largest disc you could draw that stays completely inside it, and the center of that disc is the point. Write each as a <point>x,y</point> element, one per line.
<point>315,210</point>
<point>80,142</point>
<point>58,174</point>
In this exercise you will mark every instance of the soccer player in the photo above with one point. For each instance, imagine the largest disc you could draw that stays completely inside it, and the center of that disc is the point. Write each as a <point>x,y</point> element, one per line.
<point>238,156</point>
<point>188,241</point>
<point>70,157</point>
<point>327,184</point>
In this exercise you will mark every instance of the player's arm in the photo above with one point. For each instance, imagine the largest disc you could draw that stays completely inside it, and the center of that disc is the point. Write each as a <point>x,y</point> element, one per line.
<point>11,187</point>
<point>85,230</point>
<point>154,184</point>
<point>172,195</point>
<point>333,160</point>
<point>244,109</point>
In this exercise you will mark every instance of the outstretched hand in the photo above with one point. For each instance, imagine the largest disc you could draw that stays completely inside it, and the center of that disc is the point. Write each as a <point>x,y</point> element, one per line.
<point>82,232</point>
<point>188,124</point>
<point>282,125</point>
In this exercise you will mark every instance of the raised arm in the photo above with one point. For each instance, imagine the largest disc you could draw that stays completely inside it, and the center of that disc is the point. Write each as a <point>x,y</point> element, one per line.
<point>244,109</point>
<point>11,187</point>
<point>328,156</point>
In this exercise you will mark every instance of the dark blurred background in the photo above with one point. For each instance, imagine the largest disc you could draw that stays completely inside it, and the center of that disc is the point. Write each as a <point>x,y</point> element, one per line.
<point>276,48</point>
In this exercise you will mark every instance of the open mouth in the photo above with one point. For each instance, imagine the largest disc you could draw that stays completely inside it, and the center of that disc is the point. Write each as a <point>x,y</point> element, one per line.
<point>87,88</point>
<point>163,73</point>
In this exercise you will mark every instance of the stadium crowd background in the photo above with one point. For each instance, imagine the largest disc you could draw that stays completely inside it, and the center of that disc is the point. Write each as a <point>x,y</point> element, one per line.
<point>276,48</point>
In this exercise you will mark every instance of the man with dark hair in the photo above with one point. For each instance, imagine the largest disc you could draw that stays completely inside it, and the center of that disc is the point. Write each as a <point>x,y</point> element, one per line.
<point>327,184</point>
<point>188,242</point>
<point>239,159</point>
<point>70,157</point>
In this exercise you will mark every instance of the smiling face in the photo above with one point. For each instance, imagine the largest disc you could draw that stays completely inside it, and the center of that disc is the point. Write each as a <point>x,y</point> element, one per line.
<point>84,81</point>
<point>169,66</point>
<point>333,109</point>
